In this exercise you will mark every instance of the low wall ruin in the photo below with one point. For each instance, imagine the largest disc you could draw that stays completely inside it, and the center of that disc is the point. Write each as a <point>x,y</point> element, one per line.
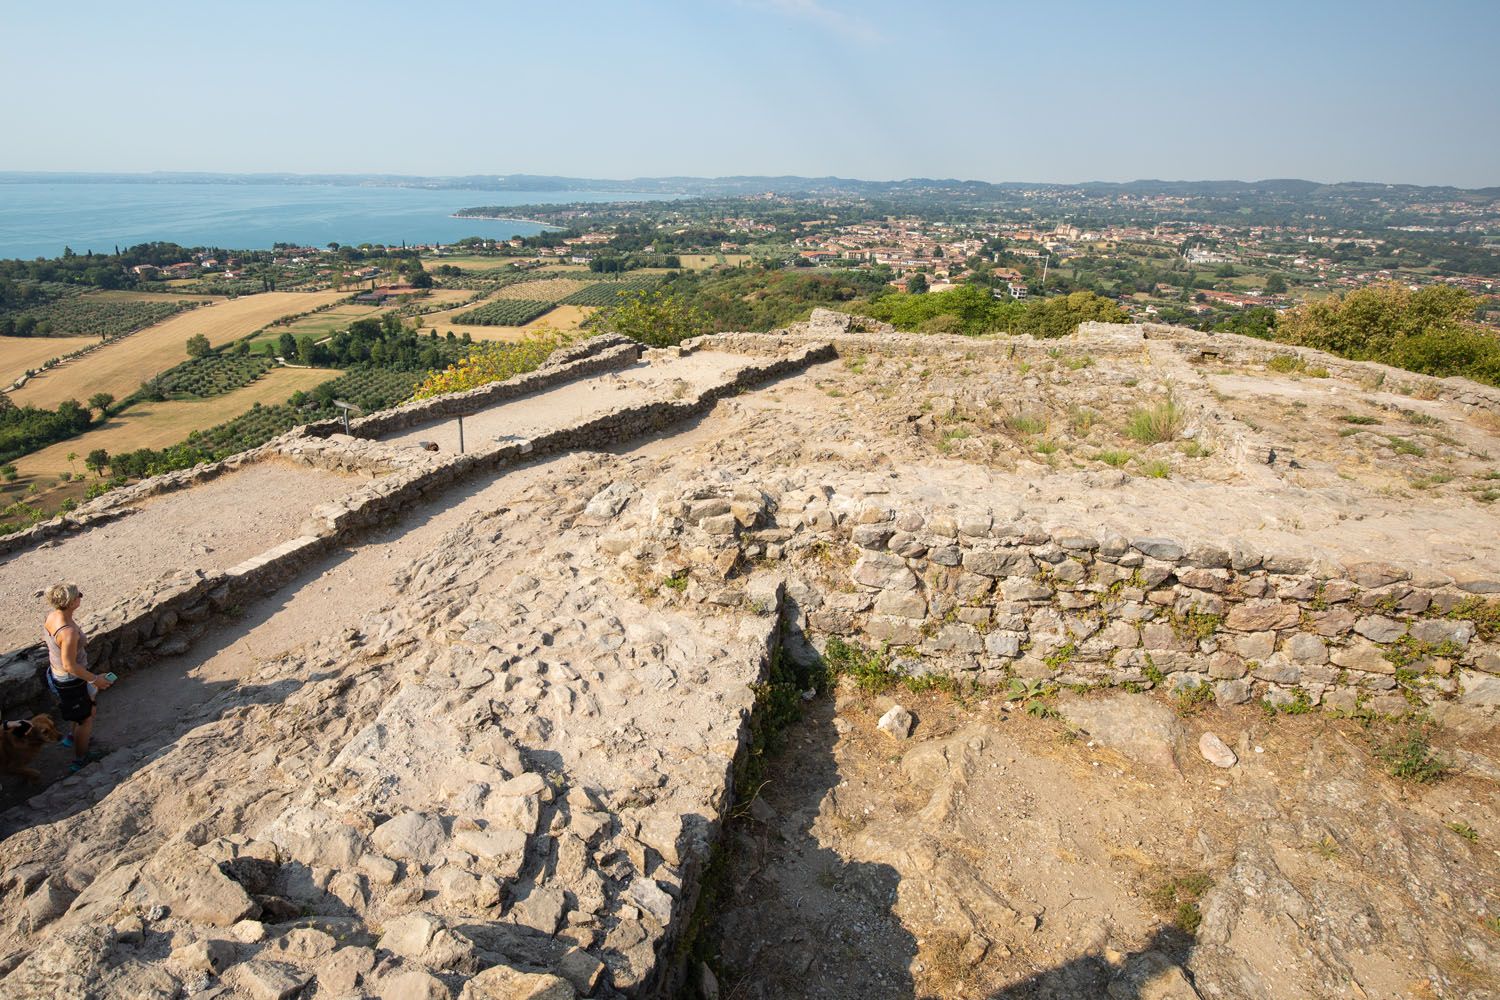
<point>966,596</point>
<point>168,617</point>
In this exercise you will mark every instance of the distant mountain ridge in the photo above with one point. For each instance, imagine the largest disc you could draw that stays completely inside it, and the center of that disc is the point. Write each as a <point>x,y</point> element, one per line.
<point>689,187</point>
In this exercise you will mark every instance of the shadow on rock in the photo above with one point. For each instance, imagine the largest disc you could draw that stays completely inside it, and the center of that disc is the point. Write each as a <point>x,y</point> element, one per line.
<point>796,919</point>
<point>1154,972</point>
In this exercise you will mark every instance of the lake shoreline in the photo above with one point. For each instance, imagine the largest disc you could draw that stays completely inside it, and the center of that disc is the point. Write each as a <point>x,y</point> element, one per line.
<point>507,218</point>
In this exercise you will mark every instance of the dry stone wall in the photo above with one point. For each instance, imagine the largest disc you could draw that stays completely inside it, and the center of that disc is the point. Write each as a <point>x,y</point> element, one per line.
<point>967,595</point>
<point>852,336</point>
<point>594,356</point>
<point>168,617</point>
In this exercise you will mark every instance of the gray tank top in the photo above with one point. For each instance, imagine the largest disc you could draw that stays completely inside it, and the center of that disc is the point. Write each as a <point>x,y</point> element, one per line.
<point>54,651</point>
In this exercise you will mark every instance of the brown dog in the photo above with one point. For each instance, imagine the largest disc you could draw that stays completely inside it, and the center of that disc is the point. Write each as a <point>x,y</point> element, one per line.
<point>20,742</point>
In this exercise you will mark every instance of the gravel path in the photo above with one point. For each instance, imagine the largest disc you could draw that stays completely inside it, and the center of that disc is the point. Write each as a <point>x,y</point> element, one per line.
<point>210,527</point>
<point>664,378</point>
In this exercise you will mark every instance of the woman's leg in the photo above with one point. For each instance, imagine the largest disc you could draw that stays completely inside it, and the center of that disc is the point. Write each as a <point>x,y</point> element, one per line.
<point>81,732</point>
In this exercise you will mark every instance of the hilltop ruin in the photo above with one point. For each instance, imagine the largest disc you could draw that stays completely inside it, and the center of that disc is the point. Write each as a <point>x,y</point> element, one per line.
<point>401,722</point>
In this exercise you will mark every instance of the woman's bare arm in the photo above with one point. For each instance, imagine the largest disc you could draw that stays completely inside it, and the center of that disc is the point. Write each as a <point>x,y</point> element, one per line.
<point>67,645</point>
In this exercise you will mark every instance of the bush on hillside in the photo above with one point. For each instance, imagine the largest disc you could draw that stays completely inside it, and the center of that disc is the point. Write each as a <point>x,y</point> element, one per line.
<point>1426,331</point>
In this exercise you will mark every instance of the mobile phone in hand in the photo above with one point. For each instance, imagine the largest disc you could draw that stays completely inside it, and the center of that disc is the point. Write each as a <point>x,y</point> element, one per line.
<point>111,677</point>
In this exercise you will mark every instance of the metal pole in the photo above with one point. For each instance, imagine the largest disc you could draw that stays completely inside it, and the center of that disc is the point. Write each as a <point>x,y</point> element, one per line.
<point>460,433</point>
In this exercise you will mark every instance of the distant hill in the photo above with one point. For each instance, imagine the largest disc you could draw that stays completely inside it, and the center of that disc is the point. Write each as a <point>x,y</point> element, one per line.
<point>690,187</point>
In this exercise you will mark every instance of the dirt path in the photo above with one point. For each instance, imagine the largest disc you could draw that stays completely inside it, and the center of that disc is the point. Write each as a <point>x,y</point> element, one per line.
<point>211,527</point>
<point>150,708</point>
<point>662,378</point>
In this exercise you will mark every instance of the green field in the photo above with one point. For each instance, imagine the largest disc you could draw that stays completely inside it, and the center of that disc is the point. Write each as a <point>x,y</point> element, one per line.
<point>318,325</point>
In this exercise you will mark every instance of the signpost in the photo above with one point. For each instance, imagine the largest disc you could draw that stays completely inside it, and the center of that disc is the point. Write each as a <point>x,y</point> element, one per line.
<point>346,407</point>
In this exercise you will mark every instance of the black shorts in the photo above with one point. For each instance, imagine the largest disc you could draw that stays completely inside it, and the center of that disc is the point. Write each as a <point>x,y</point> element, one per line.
<point>74,700</point>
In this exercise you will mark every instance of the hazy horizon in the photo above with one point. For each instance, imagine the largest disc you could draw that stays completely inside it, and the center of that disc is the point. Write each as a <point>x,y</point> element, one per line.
<point>167,175</point>
<point>1336,91</point>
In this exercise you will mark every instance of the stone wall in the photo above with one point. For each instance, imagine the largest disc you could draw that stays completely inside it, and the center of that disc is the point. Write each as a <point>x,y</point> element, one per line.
<point>303,444</point>
<point>964,595</point>
<point>1239,348</point>
<point>594,356</point>
<point>117,503</point>
<point>166,618</point>
<point>852,336</point>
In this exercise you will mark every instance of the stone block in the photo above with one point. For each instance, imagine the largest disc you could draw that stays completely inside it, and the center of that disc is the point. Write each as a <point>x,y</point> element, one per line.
<point>1339,621</point>
<point>884,572</point>
<point>998,562</point>
<point>896,631</point>
<point>1225,666</point>
<point>1304,648</point>
<point>1158,548</point>
<point>1277,670</point>
<point>1370,575</point>
<point>1207,556</point>
<point>901,604</point>
<point>1003,644</point>
<point>872,536</point>
<point>1378,628</point>
<point>1261,615</point>
<point>945,555</point>
<point>954,638</point>
<point>1437,631</point>
<point>1361,654</point>
<point>1020,588</point>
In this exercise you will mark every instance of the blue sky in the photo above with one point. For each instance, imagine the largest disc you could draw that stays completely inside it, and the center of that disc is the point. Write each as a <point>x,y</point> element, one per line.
<point>1321,89</point>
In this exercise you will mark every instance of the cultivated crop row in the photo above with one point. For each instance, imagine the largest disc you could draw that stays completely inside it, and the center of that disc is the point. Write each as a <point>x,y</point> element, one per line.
<point>211,375</point>
<point>607,293</point>
<point>490,279</point>
<point>84,315</point>
<point>505,312</point>
<point>369,390</point>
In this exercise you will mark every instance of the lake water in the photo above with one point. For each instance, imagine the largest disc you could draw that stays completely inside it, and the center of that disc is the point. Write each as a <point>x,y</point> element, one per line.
<point>39,219</point>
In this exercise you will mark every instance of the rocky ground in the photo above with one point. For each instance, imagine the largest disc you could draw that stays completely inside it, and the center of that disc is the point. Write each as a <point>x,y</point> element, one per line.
<point>488,752</point>
<point>998,853</point>
<point>213,526</point>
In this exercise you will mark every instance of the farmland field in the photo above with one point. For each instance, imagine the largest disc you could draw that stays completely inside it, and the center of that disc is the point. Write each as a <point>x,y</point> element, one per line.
<point>543,289</point>
<point>157,425</point>
<point>703,261</point>
<point>18,354</point>
<point>473,263</point>
<point>504,312</point>
<point>606,293</point>
<point>318,325</point>
<point>558,318</point>
<point>120,368</point>
<point>96,316</point>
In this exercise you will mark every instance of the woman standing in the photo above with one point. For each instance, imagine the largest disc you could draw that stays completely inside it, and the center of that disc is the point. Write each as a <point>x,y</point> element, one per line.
<point>68,671</point>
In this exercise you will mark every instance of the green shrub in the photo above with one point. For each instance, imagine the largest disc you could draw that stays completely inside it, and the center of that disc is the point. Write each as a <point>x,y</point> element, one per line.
<point>1410,757</point>
<point>1161,422</point>
<point>1023,423</point>
<point>1157,468</point>
<point>1428,331</point>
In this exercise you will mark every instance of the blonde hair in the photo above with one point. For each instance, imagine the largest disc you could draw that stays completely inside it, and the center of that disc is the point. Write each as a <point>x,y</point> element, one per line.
<point>60,595</point>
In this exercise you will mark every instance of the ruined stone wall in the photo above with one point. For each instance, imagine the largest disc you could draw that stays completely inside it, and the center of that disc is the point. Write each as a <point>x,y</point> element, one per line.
<point>852,336</point>
<point>166,618</point>
<point>964,595</point>
<point>1239,348</point>
<point>594,356</point>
